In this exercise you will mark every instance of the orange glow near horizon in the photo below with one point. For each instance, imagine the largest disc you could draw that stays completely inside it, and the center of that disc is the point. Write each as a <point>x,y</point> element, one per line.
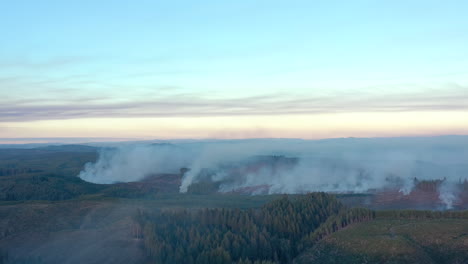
<point>316,126</point>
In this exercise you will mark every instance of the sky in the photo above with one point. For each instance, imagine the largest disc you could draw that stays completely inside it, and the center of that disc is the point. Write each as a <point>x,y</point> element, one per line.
<point>233,69</point>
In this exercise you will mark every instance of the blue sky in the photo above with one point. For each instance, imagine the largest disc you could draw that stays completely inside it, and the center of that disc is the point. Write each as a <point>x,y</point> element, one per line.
<point>248,64</point>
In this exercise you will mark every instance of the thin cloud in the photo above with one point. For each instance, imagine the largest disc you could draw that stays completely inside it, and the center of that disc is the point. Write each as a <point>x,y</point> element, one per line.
<point>189,105</point>
<point>25,63</point>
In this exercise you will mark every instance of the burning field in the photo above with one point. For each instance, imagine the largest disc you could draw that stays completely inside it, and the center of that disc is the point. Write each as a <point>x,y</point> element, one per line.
<point>395,172</point>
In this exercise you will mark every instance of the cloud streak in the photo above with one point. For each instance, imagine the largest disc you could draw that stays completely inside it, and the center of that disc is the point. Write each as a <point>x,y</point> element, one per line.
<point>189,105</point>
<point>29,64</point>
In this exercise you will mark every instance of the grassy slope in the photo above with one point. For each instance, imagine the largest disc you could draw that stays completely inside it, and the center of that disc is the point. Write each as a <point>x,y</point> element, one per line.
<point>395,241</point>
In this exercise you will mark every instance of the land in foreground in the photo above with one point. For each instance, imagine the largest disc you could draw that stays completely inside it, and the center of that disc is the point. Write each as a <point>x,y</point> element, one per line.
<point>48,215</point>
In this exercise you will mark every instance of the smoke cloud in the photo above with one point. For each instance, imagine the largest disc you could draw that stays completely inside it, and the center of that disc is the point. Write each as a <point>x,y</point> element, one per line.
<point>294,166</point>
<point>129,163</point>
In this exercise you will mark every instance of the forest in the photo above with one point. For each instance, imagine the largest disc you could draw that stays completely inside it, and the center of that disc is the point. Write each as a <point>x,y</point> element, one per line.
<point>275,233</point>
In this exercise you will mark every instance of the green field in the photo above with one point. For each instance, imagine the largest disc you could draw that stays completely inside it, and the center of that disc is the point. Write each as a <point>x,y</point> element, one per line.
<point>395,241</point>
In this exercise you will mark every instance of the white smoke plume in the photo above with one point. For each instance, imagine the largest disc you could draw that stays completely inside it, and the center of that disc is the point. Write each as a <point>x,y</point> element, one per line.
<point>338,165</point>
<point>448,193</point>
<point>130,163</point>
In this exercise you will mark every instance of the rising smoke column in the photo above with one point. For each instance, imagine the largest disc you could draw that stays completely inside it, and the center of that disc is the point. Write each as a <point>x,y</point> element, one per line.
<point>338,165</point>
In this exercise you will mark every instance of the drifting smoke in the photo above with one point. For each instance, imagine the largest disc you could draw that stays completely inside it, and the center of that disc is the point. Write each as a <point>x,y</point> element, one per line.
<point>295,166</point>
<point>134,162</point>
<point>448,193</point>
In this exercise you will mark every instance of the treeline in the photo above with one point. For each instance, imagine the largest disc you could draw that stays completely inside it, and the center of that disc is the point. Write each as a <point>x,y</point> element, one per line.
<point>433,185</point>
<point>337,222</point>
<point>204,187</point>
<point>50,187</point>
<point>275,233</point>
<point>421,214</point>
<point>17,171</point>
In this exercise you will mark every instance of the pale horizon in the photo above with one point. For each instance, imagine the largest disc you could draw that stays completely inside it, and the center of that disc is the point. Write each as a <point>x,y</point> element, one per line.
<point>106,140</point>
